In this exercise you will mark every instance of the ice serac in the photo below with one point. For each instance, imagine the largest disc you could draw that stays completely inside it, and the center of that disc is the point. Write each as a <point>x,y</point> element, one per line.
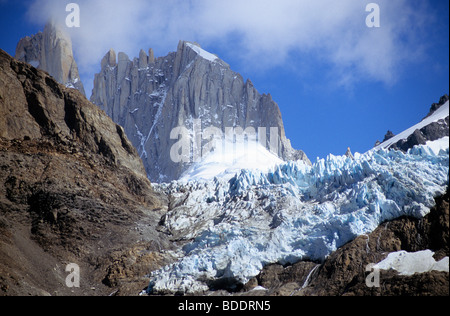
<point>51,51</point>
<point>151,96</point>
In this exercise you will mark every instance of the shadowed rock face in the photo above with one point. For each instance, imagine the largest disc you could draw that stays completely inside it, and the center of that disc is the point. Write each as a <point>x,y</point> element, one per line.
<point>72,190</point>
<point>35,106</point>
<point>149,97</point>
<point>51,51</point>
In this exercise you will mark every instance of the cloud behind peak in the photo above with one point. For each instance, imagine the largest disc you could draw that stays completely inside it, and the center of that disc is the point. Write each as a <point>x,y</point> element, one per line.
<point>264,33</point>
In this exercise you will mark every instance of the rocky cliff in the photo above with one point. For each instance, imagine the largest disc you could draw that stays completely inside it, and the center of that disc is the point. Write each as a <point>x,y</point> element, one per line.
<point>72,190</point>
<point>151,96</point>
<point>51,51</point>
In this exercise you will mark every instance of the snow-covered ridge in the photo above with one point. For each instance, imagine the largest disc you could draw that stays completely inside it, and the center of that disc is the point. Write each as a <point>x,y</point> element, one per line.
<point>202,53</point>
<point>438,115</point>
<point>294,212</point>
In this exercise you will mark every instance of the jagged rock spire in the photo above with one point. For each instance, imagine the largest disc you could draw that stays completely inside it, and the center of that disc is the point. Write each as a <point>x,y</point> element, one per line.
<point>51,51</point>
<point>349,153</point>
<point>151,96</point>
<point>388,136</point>
<point>110,59</point>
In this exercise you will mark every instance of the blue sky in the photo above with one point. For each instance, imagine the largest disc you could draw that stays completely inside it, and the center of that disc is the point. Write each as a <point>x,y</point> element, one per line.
<point>338,83</point>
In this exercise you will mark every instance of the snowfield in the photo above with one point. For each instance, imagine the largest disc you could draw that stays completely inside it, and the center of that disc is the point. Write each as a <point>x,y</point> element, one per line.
<point>407,263</point>
<point>235,226</point>
<point>229,158</point>
<point>202,53</point>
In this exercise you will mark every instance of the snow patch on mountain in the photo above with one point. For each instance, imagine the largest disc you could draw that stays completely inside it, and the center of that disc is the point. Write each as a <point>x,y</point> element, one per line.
<point>202,53</point>
<point>229,157</point>
<point>438,145</point>
<point>407,263</point>
<point>234,227</point>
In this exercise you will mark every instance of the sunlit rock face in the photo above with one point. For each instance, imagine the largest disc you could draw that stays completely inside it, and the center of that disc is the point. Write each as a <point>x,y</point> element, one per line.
<point>51,51</point>
<point>191,88</point>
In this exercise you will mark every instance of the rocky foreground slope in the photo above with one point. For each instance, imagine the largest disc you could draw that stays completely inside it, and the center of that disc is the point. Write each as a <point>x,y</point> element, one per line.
<point>72,190</point>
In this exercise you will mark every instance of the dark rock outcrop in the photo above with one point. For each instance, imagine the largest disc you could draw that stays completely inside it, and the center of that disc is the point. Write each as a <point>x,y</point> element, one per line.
<point>388,136</point>
<point>72,190</point>
<point>436,106</point>
<point>431,132</point>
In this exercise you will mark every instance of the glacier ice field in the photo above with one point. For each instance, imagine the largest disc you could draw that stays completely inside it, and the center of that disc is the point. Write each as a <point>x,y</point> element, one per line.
<point>233,227</point>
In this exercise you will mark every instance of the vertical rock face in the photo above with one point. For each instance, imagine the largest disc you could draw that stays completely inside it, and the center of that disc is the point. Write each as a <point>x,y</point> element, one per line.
<point>51,51</point>
<point>151,96</point>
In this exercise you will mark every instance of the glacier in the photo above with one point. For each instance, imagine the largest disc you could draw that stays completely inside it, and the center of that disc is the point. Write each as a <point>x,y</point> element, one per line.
<point>232,227</point>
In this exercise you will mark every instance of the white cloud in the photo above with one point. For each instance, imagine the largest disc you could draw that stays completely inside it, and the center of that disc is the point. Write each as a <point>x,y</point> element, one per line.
<point>263,32</point>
